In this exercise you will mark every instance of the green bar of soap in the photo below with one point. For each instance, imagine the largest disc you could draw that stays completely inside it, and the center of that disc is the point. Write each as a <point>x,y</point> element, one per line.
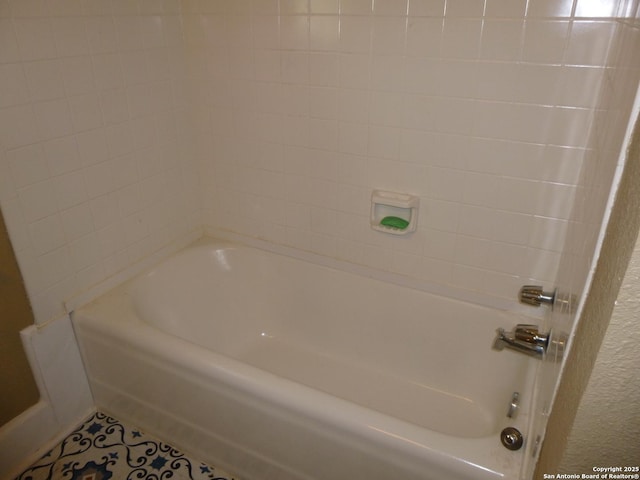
<point>394,222</point>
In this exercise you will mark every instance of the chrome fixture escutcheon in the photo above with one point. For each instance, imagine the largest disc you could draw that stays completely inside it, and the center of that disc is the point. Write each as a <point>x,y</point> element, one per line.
<point>512,438</point>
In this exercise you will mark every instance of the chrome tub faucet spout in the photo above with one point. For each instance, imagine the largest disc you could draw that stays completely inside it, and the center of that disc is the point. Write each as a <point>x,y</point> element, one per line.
<point>524,338</point>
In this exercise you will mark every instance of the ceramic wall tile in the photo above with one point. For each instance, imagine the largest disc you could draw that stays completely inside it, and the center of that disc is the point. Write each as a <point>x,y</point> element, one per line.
<point>74,78</point>
<point>455,104</point>
<point>409,77</point>
<point>550,8</point>
<point>600,8</point>
<point>356,7</point>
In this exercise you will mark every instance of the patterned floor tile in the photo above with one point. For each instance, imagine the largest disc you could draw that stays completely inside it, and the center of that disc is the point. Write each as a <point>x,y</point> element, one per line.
<point>102,448</point>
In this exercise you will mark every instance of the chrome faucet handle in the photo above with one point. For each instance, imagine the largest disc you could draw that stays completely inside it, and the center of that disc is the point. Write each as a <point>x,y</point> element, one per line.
<point>525,332</point>
<point>529,334</point>
<point>534,295</point>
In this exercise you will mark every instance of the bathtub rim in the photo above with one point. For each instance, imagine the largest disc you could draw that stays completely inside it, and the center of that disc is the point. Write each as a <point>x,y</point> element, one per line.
<point>209,236</point>
<point>83,297</point>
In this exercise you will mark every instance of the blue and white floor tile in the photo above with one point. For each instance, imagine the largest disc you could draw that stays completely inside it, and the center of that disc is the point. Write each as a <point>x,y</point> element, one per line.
<point>102,448</point>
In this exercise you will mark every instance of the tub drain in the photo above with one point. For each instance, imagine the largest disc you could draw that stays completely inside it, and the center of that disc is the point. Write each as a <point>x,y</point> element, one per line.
<point>511,438</point>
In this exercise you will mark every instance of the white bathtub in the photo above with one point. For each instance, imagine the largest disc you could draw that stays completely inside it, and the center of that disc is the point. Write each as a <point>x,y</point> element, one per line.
<point>279,368</point>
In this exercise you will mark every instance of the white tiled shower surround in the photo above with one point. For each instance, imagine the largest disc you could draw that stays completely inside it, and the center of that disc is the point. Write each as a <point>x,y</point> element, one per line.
<point>126,125</point>
<point>95,165</point>
<point>483,109</point>
<point>350,110</point>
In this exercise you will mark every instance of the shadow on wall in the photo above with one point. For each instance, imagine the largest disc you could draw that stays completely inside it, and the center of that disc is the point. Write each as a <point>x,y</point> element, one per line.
<point>16,377</point>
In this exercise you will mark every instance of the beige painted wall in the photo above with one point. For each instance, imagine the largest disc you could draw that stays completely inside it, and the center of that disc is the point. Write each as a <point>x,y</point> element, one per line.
<point>601,427</point>
<point>605,431</point>
<point>16,378</point>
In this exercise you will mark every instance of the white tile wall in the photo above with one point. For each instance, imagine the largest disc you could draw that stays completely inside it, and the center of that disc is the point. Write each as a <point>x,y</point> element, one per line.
<point>619,84</point>
<point>121,121</point>
<point>95,169</point>
<point>482,108</point>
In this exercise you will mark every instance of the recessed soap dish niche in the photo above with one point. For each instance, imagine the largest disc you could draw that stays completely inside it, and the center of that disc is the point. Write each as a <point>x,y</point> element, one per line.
<point>391,208</point>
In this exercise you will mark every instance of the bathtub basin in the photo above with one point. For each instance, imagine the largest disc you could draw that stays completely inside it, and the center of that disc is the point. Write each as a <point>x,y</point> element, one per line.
<point>280,368</point>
